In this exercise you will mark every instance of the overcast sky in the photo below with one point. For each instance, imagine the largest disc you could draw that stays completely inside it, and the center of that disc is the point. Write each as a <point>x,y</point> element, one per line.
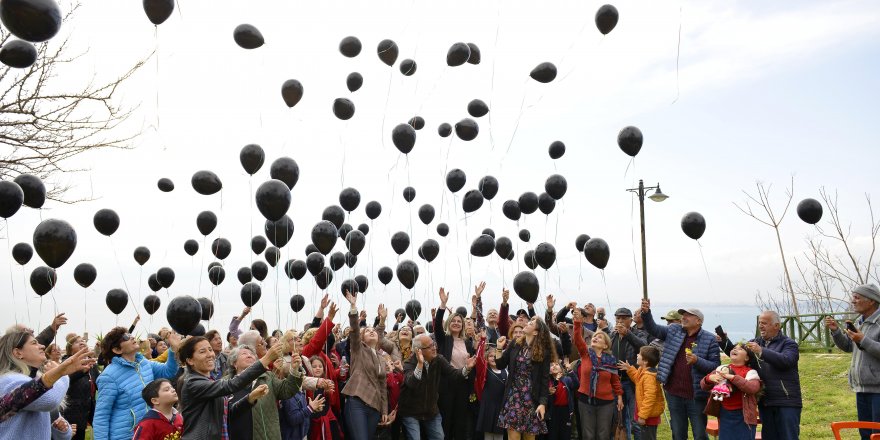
<point>751,92</point>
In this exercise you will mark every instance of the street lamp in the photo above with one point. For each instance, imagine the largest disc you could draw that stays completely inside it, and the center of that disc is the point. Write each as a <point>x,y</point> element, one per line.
<point>658,196</point>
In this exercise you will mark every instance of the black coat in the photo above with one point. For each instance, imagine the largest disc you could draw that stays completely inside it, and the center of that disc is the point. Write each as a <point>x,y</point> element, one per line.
<point>540,374</point>
<point>418,397</point>
<point>444,341</point>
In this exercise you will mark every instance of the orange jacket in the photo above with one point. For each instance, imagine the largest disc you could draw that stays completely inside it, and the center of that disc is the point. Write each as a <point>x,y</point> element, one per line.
<point>649,395</point>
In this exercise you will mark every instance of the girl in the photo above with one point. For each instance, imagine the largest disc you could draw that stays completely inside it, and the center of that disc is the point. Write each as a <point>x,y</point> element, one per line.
<point>562,403</point>
<point>489,387</point>
<point>737,414</point>
<point>325,424</point>
<point>599,382</point>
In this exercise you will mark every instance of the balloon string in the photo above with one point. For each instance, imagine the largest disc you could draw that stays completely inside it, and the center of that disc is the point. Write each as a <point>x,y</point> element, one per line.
<point>604,283</point>
<point>632,236</point>
<point>518,119</point>
<point>158,124</point>
<point>86,310</point>
<point>677,58</point>
<point>140,282</point>
<point>11,282</point>
<point>705,266</point>
<point>201,266</point>
<point>122,275</point>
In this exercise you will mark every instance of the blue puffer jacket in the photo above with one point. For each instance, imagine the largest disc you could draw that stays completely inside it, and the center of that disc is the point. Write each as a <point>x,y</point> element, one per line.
<point>707,352</point>
<point>119,406</point>
<point>778,368</point>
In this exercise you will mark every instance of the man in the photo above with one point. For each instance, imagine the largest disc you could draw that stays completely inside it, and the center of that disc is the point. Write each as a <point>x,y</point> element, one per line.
<point>672,317</point>
<point>689,354</point>
<point>863,372</point>
<point>777,365</point>
<point>252,338</point>
<point>625,345</point>
<point>588,312</point>
<point>418,399</point>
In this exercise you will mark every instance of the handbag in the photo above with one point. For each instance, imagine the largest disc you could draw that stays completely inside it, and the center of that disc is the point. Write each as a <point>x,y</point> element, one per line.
<point>620,427</point>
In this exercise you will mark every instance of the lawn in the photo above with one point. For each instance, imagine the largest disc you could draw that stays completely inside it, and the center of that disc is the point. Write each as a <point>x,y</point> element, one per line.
<point>827,396</point>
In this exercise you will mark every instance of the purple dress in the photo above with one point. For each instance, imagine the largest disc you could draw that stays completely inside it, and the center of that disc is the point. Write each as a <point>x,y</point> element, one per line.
<point>518,413</point>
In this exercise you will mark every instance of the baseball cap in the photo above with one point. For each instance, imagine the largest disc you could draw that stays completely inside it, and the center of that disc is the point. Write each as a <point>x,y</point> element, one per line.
<point>522,312</point>
<point>623,311</point>
<point>695,312</point>
<point>672,315</point>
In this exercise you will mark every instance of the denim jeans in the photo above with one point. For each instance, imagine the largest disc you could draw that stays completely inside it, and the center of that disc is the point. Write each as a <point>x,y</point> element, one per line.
<point>732,425</point>
<point>629,409</point>
<point>780,422</point>
<point>433,427</point>
<point>361,418</point>
<point>682,411</point>
<point>868,409</point>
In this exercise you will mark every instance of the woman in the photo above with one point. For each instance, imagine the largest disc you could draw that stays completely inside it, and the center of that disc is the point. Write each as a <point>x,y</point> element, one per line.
<point>454,392</point>
<point>19,352</point>
<point>53,353</point>
<point>367,403</point>
<point>527,361</point>
<point>599,382</point>
<point>202,399</point>
<point>404,341</point>
<point>80,398</point>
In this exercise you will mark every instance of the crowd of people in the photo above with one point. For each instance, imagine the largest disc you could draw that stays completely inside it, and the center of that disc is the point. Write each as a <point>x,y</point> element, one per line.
<point>465,374</point>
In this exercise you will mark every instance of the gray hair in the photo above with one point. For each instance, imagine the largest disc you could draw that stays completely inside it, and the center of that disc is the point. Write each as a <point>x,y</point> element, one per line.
<point>774,317</point>
<point>417,342</point>
<point>233,356</point>
<point>250,338</point>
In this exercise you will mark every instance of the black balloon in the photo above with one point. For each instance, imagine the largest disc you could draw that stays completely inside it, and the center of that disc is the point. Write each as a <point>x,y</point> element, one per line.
<point>525,284</point>
<point>387,51</point>
<point>407,273</point>
<point>417,122</point>
<point>426,214</point>
<point>252,157</point>
<point>295,269</point>
<point>404,137</point>
<point>477,108</point>
<point>247,36</point>
<point>385,275</point>
<point>116,300</point>
<point>355,241</point>
<point>214,264</point>
<point>606,19</point>
<point>43,279</point>
<point>334,214</point>
<point>279,233</point>
<point>545,255</point>
<point>272,255</point>
<point>503,247</point>
<point>349,199</point>
<point>165,277</point>
<point>409,194</point>
<point>190,247</point>
<point>511,210</point>
<point>54,240</point>
<point>153,283</point>
<point>580,241</point>
<point>350,46</point>
<point>18,54</point>
<point>546,204</point>
<point>337,260</point>
<point>350,286</point>
<point>443,229</point>
<point>488,186</point>
<point>297,302</point>
<point>165,185</point>
<point>183,314</point>
<point>630,140</point>
<point>206,221</point>
<point>221,248</point>
<point>530,260</point>
<point>556,186</point>
<point>489,232</point>
<point>85,274</point>
<point>207,308</point>
<point>206,182</point>
<point>556,150</point>
<point>354,81</point>
<point>544,73</point>
<point>444,129</point>
<point>286,170</point>
<point>259,270</point>
<point>413,309</point>
<point>32,20</point>
<point>291,92</point>
<point>693,225</point>
<point>597,252</point>
<point>810,211</point>
<point>11,198</point>
<point>458,54</point>
<point>151,304</point>
<point>106,221</point>
<point>400,242</point>
<point>216,275</point>
<point>364,228</point>
<point>408,67</point>
<point>343,108</point>
<point>245,275</point>
<point>324,236</point>
<point>314,263</point>
<point>158,11</point>
<point>475,55</point>
<point>528,202</point>
<point>429,250</point>
<point>22,253</point>
<point>467,129</point>
<point>362,283</point>
<point>198,331</point>
<point>250,294</point>
<point>324,278</point>
<point>455,180</point>
<point>483,246</point>
<point>258,244</point>
<point>310,249</point>
<point>525,235</point>
<point>472,201</point>
<point>141,255</point>
<point>373,209</point>
<point>33,188</point>
<point>344,230</point>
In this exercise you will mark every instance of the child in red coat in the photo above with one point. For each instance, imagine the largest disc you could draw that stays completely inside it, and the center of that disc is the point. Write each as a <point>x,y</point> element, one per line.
<point>325,425</point>
<point>162,421</point>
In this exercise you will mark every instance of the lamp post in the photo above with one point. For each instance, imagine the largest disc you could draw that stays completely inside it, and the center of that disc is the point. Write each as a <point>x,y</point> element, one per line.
<point>658,196</point>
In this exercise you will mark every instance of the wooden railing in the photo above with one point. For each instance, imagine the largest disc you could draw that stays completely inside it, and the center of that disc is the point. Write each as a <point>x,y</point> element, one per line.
<point>809,330</point>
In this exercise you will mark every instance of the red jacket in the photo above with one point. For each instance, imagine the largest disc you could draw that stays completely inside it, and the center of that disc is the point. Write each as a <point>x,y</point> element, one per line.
<point>154,426</point>
<point>608,384</point>
<point>315,347</point>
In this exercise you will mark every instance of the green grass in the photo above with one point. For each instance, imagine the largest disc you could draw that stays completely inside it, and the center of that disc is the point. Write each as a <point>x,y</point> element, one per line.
<point>826,395</point>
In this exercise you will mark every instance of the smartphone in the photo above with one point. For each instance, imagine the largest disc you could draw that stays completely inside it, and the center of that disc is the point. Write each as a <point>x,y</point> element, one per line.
<point>601,315</point>
<point>851,327</point>
<point>719,331</point>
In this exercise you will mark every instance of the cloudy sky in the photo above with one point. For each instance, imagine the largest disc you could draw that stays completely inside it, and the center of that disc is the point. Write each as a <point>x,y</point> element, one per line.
<point>749,92</point>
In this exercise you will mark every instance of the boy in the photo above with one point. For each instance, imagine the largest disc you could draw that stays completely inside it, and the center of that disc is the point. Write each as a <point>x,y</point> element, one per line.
<point>162,420</point>
<point>649,394</point>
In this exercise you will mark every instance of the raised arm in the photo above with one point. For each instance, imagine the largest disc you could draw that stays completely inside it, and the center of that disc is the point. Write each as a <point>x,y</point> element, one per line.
<point>504,314</point>
<point>479,319</point>
<point>316,344</point>
<point>651,327</point>
<point>386,345</point>
<point>236,322</point>
<point>579,341</point>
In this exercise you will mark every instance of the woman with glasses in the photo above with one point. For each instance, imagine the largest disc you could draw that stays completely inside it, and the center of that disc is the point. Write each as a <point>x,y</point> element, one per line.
<point>119,406</point>
<point>80,399</point>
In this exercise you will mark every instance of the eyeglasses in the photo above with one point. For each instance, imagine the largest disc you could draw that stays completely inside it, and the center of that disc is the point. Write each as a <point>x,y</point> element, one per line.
<point>126,337</point>
<point>433,344</point>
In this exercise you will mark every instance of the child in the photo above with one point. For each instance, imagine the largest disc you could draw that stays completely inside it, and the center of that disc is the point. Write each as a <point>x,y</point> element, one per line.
<point>737,414</point>
<point>325,425</point>
<point>562,406</point>
<point>649,394</point>
<point>162,421</point>
<point>489,388</point>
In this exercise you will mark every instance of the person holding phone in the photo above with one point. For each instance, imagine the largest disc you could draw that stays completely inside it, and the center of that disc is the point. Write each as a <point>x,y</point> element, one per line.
<point>862,339</point>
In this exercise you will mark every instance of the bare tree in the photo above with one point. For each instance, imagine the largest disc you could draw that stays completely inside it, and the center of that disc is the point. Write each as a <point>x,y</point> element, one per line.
<point>770,218</point>
<point>43,125</point>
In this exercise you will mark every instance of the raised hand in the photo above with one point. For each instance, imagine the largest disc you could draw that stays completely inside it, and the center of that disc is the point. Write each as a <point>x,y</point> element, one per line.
<point>325,301</point>
<point>258,393</point>
<point>295,362</point>
<point>551,302</point>
<point>420,357</point>
<point>58,321</point>
<point>505,295</point>
<point>351,299</point>
<point>478,289</point>
<point>576,316</point>
<point>332,312</point>
<point>646,305</point>
<point>474,301</point>
<point>244,313</point>
<point>443,298</point>
<point>173,341</point>
<point>501,342</point>
<point>274,352</point>
<point>831,323</point>
<point>382,312</point>
<point>563,328</point>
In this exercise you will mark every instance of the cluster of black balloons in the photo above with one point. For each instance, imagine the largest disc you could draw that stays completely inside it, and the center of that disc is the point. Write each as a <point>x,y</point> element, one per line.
<point>33,21</point>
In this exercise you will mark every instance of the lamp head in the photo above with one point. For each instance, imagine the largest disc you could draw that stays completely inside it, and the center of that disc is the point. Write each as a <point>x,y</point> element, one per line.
<point>658,195</point>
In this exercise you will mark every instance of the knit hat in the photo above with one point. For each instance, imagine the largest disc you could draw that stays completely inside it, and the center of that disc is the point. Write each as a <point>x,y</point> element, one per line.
<point>869,291</point>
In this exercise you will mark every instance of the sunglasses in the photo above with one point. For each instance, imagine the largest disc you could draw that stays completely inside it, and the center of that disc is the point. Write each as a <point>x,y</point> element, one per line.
<point>126,337</point>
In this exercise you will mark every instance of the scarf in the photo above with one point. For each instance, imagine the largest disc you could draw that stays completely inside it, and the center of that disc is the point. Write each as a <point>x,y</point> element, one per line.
<point>607,363</point>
